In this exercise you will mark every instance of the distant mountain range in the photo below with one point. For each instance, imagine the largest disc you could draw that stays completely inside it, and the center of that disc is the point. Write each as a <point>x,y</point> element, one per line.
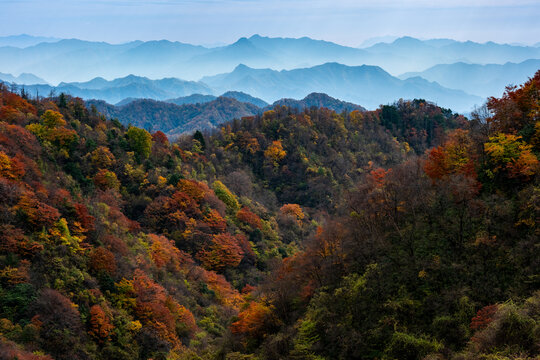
<point>482,80</point>
<point>76,60</point>
<point>378,39</point>
<point>408,52</point>
<point>369,86</point>
<point>175,120</point>
<point>23,79</point>
<point>459,75</point>
<point>127,87</point>
<point>24,40</point>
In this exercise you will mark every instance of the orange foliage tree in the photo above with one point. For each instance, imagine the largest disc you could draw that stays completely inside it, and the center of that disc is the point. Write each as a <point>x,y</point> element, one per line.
<point>252,319</point>
<point>105,179</point>
<point>11,168</point>
<point>35,212</point>
<point>163,252</point>
<point>12,240</point>
<point>100,325</point>
<point>102,158</point>
<point>13,108</point>
<point>223,252</point>
<point>249,218</point>
<point>293,210</point>
<point>225,293</point>
<point>160,311</point>
<point>455,157</point>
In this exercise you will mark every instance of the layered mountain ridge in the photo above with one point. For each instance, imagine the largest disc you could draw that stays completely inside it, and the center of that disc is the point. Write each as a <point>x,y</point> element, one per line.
<point>175,119</point>
<point>368,86</point>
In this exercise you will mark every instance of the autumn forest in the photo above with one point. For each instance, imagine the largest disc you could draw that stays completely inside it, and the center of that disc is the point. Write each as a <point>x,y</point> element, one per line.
<point>406,232</point>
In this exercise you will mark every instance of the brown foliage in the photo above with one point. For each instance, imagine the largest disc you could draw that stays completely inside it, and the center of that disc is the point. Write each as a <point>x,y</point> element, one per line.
<point>215,222</point>
<point>60,324</point>
<point>102,158</point>
<point>172,212</point>
<point>196,190</point>
<point>84,218</point>
<point>11,169</point>
<point>102,259</point>
<point>10,351</point>
<point>158,310</point>
<point>115,244</point>
<point>13,240</point>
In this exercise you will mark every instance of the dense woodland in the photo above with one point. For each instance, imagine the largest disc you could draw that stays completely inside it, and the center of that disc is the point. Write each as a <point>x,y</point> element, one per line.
<point>408,232</point>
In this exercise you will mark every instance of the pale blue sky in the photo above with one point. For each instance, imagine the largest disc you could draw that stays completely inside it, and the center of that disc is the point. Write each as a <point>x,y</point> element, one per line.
<point>207,22</point>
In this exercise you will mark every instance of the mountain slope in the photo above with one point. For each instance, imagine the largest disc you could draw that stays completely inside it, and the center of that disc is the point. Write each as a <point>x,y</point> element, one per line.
<point>108,245</point>
<point>174,119</point>
<point>191,99</point>
<point>246,98</point>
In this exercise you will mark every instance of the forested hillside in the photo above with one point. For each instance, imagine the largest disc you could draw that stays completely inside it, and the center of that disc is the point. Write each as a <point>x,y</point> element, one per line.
<point>174,119</point>
<point>432,258</point>
<point>178,116</point>
<point>408,232</point>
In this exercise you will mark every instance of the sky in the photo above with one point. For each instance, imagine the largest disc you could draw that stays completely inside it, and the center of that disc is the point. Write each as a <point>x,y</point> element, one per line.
<point>215,22</point>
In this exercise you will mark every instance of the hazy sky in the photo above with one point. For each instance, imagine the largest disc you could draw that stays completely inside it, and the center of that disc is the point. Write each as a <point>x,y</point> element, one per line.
<point>208,22</point>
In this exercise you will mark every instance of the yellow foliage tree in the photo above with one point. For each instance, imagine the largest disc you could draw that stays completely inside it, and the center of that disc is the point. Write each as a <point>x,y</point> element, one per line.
<point>275,152</point>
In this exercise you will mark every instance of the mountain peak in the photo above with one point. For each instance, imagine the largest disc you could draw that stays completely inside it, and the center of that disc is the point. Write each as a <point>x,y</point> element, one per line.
<point>317,95</point>
<point>242,68</point>
<point>243,41</point>
<point>407,40</point>
<point>132,77</point>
